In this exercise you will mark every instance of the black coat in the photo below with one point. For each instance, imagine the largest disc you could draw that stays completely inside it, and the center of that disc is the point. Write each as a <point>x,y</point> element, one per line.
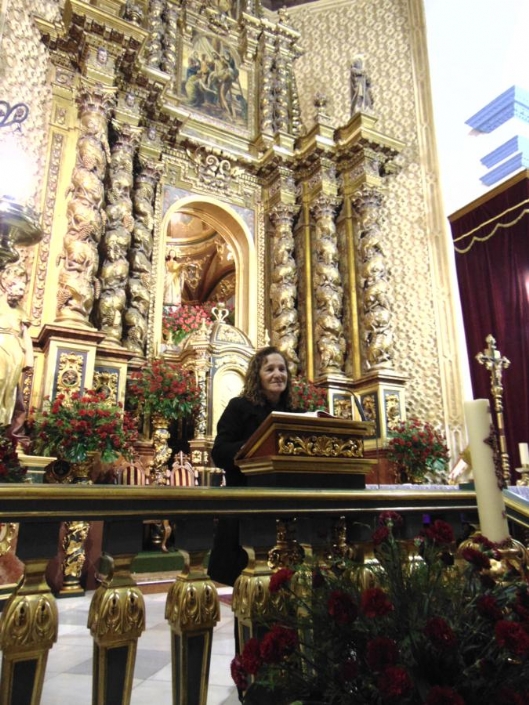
<point>239,420</point>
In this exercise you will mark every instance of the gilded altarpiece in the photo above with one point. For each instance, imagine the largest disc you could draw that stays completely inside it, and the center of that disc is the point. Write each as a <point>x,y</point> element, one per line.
<point>289,92</point>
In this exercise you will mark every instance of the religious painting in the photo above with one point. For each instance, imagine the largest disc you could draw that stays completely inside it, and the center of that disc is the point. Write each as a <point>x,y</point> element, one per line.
<point>369,405</point>
<point>212,81</point>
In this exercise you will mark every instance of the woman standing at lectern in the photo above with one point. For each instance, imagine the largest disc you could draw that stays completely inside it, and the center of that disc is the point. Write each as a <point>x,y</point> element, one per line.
<point>266,389</point>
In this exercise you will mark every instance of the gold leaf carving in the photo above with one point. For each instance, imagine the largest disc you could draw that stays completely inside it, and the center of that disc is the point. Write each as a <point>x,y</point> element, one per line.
<point>320,446</point>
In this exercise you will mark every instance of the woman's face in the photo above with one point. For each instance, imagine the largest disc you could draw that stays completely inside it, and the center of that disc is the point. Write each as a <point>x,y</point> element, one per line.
<point>273,375</point>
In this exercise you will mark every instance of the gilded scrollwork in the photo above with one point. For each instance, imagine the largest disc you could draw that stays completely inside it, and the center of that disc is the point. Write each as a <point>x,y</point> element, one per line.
<point>74,553</point>
<point>29,620</point>
<point>320,446</point>
<point>69,373</point>
<point>117,612</point>
<point>287,550</point>
<point>192,604</point>
<point>8,532</point>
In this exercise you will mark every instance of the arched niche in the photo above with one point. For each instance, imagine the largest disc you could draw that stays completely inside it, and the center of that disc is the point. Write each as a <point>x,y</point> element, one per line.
<point>223,220</point>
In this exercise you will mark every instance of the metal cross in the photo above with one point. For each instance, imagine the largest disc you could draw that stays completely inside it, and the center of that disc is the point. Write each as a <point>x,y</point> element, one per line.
<point>496,363</point>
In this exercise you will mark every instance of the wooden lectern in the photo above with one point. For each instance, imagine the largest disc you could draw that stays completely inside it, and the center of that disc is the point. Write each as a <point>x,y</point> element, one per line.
<point>302,450</point>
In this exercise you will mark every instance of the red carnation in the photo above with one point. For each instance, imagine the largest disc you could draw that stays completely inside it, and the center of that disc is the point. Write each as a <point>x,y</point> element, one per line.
<point>440,633</point>
<point>488,607</point>
<point>280,579</point>
<point>395,683</point>
<point>389,518</point>
<point>513,637</point>
<point>380,535</point>
<point>440,695</point>
<point>382,652</point>
<point>278,643</point>
<point>440,532</point>
<point>238,673</point>
<point>251,656</point>
<point>476,558</point>
<point>341,607</point>
<point>375,603</point>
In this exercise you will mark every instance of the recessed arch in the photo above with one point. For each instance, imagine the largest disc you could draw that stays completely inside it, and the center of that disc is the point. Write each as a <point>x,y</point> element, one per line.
<point>236,233</point>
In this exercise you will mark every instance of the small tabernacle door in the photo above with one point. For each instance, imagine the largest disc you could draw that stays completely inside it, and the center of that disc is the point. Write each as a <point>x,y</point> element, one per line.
<point>304,450</point>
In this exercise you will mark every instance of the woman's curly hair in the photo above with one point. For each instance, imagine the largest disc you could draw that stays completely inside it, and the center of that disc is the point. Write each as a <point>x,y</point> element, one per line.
<point>252,389</point>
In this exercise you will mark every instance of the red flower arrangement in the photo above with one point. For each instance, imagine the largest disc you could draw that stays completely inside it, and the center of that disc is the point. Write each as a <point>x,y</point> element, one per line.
<point>177,323</point>
<point>306,396</point>
<point>163,388</point>
<point>72,426</point>
<point>417,448</point>
<point>11,469</point>
<point>421,625</point>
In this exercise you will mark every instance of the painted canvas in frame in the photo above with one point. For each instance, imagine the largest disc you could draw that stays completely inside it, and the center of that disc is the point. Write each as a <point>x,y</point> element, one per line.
<point>213,82</point>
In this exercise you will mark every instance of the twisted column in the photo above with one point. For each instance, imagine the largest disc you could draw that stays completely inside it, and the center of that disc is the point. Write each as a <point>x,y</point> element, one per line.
<point>79,259</point>
<point>155,24</point>
<point>328,290</point>
<point>376,302</point>
<point>284,287</point>
<point>267,85</point>
<point>170,39</point>
<point>118,236</point>
<point>138,289</point>
<point>281,88</point>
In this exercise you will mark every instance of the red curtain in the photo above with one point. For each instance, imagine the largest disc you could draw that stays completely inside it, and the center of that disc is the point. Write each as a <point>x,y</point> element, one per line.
<point>491,240</point>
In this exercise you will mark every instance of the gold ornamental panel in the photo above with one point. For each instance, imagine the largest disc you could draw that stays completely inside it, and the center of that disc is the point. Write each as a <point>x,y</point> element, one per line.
<point>320,446</point>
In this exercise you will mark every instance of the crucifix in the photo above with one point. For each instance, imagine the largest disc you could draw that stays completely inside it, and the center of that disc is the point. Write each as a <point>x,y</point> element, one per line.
<point>496,363</point>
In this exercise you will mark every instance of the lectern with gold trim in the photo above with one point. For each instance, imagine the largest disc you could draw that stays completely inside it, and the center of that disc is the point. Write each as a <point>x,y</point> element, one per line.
<point>303,450</point>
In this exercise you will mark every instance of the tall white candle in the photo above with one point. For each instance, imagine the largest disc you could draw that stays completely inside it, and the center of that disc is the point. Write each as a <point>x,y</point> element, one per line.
<point>524,453</point>
<point>491,506</point>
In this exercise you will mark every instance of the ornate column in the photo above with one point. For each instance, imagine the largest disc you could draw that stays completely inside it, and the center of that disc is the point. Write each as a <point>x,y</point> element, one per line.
<point>192,610</point>
<point>154,54</point>
<point>328,290</point>
<point>116,621</point>
<point>140,257</point>
<point>170,39</point>
<point>365,158</point>
<point>376,300</point>
<point>29,620</point>
<point>79,259</point>
<point>266,53</point>
<point>118,236</point>
<point>284,286</point>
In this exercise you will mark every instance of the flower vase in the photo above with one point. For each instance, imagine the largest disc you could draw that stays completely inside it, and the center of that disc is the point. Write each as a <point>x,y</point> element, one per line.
<point>81,470</point>
<point>405,474</point>
<point>162,452</point>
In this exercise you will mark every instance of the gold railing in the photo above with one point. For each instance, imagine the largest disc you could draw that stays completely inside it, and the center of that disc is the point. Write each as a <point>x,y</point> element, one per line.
<point>276,525</point>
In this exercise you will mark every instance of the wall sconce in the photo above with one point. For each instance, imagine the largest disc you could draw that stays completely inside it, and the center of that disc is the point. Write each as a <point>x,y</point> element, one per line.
<point>18,222</point>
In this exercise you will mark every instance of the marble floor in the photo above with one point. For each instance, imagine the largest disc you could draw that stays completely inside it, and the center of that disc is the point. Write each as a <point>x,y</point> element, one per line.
<point>69,670</point>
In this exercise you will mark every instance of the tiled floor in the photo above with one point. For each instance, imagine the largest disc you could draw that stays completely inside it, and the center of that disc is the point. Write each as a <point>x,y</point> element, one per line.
<point>69,670</point>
